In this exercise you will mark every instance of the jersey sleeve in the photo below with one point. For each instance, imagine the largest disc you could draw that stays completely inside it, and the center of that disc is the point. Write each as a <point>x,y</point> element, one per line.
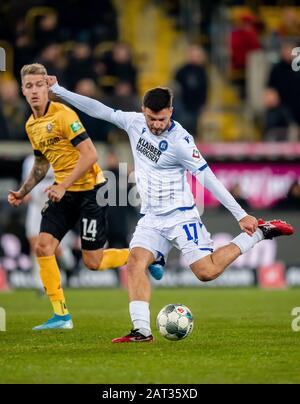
<point>123,119</point>
<point>95,108</point>
<point>72,127</point>
<point>189,156</point>
<point>214,185</point>
<point>191,159</point>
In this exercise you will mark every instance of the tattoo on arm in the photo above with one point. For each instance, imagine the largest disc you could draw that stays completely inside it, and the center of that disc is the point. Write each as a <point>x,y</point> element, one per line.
<point>38,172</point>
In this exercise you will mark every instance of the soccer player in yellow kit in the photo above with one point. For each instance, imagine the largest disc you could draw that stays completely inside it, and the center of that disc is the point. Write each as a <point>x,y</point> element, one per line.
<point>59,138</point>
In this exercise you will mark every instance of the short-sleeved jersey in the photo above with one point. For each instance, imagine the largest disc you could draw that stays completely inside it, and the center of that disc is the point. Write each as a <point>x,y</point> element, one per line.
<point>55,135</point>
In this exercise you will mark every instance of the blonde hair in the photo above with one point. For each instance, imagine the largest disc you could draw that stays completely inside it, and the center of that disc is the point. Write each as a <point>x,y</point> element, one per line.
<point>34,68</point>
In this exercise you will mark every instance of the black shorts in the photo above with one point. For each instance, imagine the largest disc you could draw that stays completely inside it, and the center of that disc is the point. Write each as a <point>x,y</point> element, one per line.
<point>60,217</point>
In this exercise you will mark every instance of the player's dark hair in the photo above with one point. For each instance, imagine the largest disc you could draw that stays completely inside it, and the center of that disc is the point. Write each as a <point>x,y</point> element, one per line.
<point>158,98</point>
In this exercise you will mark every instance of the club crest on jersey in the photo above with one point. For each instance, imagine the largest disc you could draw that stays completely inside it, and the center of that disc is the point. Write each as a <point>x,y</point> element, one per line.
<point>196,154</point>
<point>163,146</point>
<point>49,127</point>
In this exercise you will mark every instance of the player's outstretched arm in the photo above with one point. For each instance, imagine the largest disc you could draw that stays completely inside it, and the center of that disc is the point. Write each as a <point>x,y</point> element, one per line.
<point>190,158</point>
<point>91,107</point>
<point>38,172</point>
<point>214,185</point>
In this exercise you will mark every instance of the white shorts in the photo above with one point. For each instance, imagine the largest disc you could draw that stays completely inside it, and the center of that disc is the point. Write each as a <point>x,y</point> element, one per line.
<point>183,230</point>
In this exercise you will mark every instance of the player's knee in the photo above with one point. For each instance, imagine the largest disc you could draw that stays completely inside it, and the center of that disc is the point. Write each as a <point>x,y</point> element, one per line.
<point>91,263</point>
<point>43,248</point>
<point>138,261</point>
<point>135,264</point>
<point>133,261</point>
<point>208,274</point>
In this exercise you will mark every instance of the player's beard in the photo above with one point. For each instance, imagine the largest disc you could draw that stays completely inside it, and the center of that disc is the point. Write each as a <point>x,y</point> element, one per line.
<point>158,132</point>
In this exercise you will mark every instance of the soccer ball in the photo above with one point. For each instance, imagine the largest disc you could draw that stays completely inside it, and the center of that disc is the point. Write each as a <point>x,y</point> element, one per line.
<point>175,322</point>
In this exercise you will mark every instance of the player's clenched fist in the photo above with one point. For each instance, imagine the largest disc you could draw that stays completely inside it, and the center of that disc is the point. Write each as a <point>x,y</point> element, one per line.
<point>51,80</point>
<point>55,192</point>
<point>15,198</point>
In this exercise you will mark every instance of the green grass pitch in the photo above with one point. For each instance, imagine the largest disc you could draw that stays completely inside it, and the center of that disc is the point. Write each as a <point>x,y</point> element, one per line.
<point>240,336</point>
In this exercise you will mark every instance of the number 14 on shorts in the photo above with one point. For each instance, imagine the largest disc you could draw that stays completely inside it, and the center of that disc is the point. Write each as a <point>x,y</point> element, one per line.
<point>89,228</point>
<point>191,231</point>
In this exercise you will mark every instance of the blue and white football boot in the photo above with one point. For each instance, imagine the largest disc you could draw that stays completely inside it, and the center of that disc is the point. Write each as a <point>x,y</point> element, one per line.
<point>56,323</point>
<point>157,268</point>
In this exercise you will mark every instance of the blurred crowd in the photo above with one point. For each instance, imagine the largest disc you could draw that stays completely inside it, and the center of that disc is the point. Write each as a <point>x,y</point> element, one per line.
<point>82,49</point>
<point>77,46</point>
<point>281,111</point>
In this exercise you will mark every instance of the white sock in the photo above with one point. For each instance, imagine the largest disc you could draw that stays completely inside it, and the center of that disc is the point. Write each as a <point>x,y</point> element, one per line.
<point>140,317</point>
<point>245,242</point>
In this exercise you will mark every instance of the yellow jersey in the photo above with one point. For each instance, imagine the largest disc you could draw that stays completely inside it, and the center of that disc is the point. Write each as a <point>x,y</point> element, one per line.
<point>55,135</point>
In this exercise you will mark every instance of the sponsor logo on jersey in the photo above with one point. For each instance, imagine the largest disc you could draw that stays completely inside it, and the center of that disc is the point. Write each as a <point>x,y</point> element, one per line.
<point>187,139</point>
<point>49,142</point>
<point>76,126</point>
<point>148,150</point>
<point>196,154</point>
<point>163,146</point>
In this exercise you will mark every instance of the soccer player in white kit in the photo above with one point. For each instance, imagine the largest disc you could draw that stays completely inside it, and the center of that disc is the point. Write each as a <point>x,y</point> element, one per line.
<point>163,151</point>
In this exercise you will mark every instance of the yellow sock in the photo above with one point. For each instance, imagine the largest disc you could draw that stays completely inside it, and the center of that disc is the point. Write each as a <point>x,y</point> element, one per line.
<point>50,276</point>
<point>60,307</point>
<point>114,258</point>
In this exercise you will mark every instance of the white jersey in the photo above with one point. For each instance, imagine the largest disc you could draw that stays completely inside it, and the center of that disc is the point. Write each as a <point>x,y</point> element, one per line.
<point>161,161</point>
